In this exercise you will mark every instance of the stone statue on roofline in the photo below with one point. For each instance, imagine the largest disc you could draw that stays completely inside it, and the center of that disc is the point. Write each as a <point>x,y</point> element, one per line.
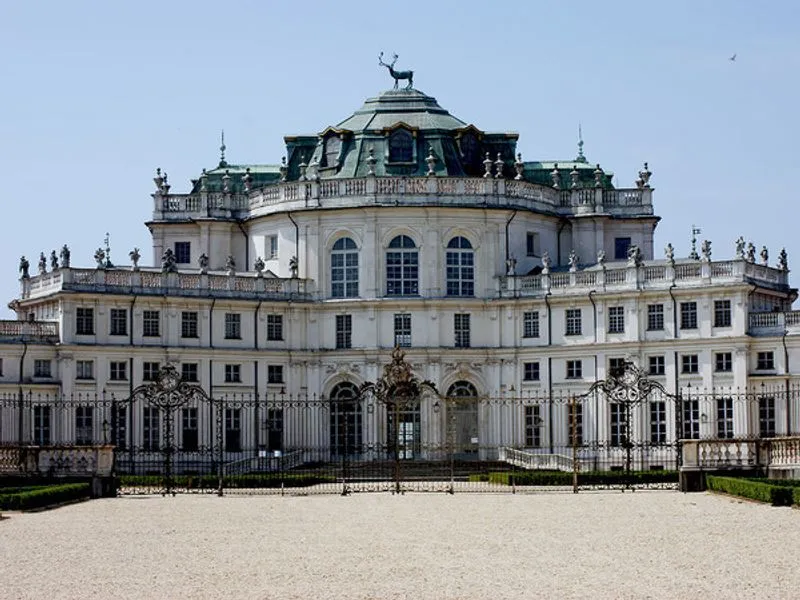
<point>65,256</point>
<point>705,250</point>
<point>545,262</point>
<point>573,261</point>
<point>169,263</point>
<point>601,258</point>
<point>135,256</point>
<point>783,260</point>
<point>669,254</point>
<point>24,268</point>
<point>100,258</point>
<point>740,248</point>
<point>230,265</point>
<point>293,267</point>
<point>53,261</point>
<point>259,266</point>
<point>511,266</point>
<point>764,256</point>
<point>42,264</point>
<point>635,256</point>
<point>202,262</point>
<point>751,252</point>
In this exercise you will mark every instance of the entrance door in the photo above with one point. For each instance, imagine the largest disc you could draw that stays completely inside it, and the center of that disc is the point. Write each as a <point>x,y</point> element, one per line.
<point>463,434</point>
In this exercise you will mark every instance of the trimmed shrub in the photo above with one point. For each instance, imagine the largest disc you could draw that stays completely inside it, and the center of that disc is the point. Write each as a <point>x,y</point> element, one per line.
<point>563,478</point>
<point>777,495</point>
<point>43,496</point>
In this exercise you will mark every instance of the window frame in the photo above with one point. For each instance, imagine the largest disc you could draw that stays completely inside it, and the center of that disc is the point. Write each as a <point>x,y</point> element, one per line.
<point>344,332</point>
<point>574,369</point>
<point>118,321</point>
<point>275,374</point>
<point>190,324</point>
<point>190,371</point>
<point>233,326</point>
<point>344,268</point>
<point>655,317</point>
<point>84,370</point>
<point>460,268</point>
<point>688,315</point>
<point>723,362</point>
<point>530,324</point>
<point>462,330</point>
<point>275,327</point>
<point>658,361</point>
<point>150,370</point>
<point>531,371</point>
<point>402,329</point>
<point>118,370</point>
<point>402,267</point>
<point>690,364</point>
<point>84,320</point>
<point>183,252</point>
<point>616,319</point>
<point>151,323</point>
<point>233,373</point>
<point>765,360</point>
<point>723,313</point>
<point>573,321</point>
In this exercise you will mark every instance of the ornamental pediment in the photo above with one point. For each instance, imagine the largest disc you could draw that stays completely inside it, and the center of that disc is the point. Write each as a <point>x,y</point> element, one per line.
<point>400,125</point>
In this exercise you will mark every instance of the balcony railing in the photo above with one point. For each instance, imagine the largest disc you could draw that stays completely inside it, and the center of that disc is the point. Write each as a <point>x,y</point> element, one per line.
<point>29,331</point>
<point>403,191</point>
<point>774,323</point>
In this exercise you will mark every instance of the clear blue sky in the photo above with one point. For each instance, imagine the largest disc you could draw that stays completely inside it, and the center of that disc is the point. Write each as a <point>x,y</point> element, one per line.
<point>96,95</point>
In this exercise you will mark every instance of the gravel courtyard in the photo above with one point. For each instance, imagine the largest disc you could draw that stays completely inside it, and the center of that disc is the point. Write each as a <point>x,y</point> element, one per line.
<point>558,545</point>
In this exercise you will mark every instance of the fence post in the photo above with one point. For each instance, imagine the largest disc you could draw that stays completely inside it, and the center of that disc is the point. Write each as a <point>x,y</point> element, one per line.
<point>220,456</point>
<point>574,435</point>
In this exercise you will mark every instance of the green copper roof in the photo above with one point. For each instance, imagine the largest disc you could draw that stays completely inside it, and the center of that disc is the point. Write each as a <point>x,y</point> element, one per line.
<point>411,107</point>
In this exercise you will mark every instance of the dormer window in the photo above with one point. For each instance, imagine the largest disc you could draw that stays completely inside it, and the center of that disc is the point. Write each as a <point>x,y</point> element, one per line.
<point>401,146</point>
<point>333,146</point>
<point>469,147</point>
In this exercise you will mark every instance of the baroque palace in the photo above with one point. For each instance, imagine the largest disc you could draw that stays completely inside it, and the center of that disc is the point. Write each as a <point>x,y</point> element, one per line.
<point>404,226</point>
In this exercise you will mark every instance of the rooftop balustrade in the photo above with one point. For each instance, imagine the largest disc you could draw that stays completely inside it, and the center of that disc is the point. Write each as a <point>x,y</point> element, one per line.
<point>403,191</point>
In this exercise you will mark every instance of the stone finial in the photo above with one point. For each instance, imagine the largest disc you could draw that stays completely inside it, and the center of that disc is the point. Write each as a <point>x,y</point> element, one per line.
<point>283,169</point>
<point>259,267</point>
<point>53,261</point>
<point>303,168</point>
<point>293,267</point>
<point>498,166</point>
<point>226,182</point>
<point>669,254</point>
<point>247,180</point>
<point>574,176</point>
<point>511,266</point>
<point>705,250</point>
<point>601,257</point>
<point>751,252</point>
<point>158,180</point>
<point>24,268</point>
<point>644,178</point>
<point>598,176</point>
<point>573,261</point>
<point>487,167</point>
<point>545,262</point>
<point>230,265</point>
<point>65,256</point>
<point>371,160</point>
<point>764,256</point>
<point>431,160</point>
<point>169,263</point>
<point>556,177</point>
<point>519,167</point>
<point>635,258</point>
<point>134,255</point>
<point>313,170</point>
<point>783,260</point>
<point>100,258</point>
<point>740,248</point>
<point>202,262</point>
<point>204,181</point>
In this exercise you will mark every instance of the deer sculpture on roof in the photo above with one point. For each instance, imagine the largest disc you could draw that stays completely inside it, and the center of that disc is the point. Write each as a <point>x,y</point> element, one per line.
<point>397,75</point>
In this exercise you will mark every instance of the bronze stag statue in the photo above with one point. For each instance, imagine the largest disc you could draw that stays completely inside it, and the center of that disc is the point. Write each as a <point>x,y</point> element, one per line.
<point>397,75</point>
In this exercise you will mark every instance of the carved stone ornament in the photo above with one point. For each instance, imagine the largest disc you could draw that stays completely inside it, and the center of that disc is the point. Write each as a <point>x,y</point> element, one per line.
<point>53,261</point>
<point>764,256</point>
<point>259,266</point>
<point>42,264</point>
<point>635,258</point>
<point>545,262</point>
<point>555,175</point>
<point>202,262</point>
<point>573,261</point>
<point>740,248</point>
<point>511,266</point>
<point>669,254</point>
<point>705,250</point>
<point>230,265</point>
<point>24,267</point>
<point>100,258</point>
<point>783,260</point>
<point>293,267</point>
<point>65,257</point>
<point>751,252</point>
<point>601,257</point>
<point>168,262</point>
<point>398,385</point>
<point>135,256</point>
<point>519,167</point>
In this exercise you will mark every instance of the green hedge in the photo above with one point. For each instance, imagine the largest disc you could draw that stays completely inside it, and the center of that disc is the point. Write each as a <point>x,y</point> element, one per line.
<point>777,495</point>
<point>43,496</point>
<point>199,482</point>
<point>563,478</point>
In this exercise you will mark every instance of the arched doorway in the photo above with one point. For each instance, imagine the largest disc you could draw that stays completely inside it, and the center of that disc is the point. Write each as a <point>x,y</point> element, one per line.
<point>462,403</point>
<point>346,420</point>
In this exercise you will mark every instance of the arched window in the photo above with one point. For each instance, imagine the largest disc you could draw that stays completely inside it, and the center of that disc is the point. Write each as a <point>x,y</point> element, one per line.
<point>463,434</point>
<point>402,267</point>
<point>344,269</point>
<point>346,419</point>
<point>401,146</point>
<point>460,268</point>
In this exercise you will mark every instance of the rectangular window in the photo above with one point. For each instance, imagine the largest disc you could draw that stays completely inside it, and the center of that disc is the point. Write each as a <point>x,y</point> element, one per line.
<point>84,369</point>
<point>150,371</point>
<point>766,417</point>
<point>183,253</point>
<point>655,317</point>
<point>533,426</point>
<point>151,438</point>
<point>119,321</point>
<point>189,372</point>
<point>532,244</point>
<point>575,423</point>
<point>691,419</point>
<point>689,364</point>
<point>233,430</point>
<point>84,321</point>
<point>189,437</point>
<point>723,362</point>
<point>274,373</point>
<point>688,315</point>
<point>658,422</point>
<point>656,365</point>
<point>119,426</point>
<point>530,324</point>
<point>616,366</point>
<point>462,330</point>
<point>530,371</point>
<point>722,313</point>
<point>574,369</point>
<point>725,418</point>
<point>766,361</point>
<point>189,324</point>
<point>1,367</point>
<point>274,328</point>
<point>344,331</point>
<point>151,321</point>
<point>233,373</point>
<point>41,368</point>
<point>402,330</point>
<point>83,425</point>
<point>573,321</point>
<point>41,425</point>
<point>271,247</point>
<point>233,326</point>
<point>617,426</point>
<point>616,319</point>
<point>621,247</point>
<point>274,429</point>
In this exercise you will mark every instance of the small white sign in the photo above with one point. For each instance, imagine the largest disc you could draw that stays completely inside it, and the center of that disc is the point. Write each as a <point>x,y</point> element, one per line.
<point>262,454</point>
<point>474,440</point>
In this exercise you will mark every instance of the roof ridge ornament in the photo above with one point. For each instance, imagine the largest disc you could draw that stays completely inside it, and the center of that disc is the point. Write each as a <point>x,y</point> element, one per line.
<point>580,158</point>
<point>397,75</point>
<point>222,147</point>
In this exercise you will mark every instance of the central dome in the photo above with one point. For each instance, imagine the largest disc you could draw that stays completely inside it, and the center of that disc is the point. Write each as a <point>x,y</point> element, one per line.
<point>411,107</point>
